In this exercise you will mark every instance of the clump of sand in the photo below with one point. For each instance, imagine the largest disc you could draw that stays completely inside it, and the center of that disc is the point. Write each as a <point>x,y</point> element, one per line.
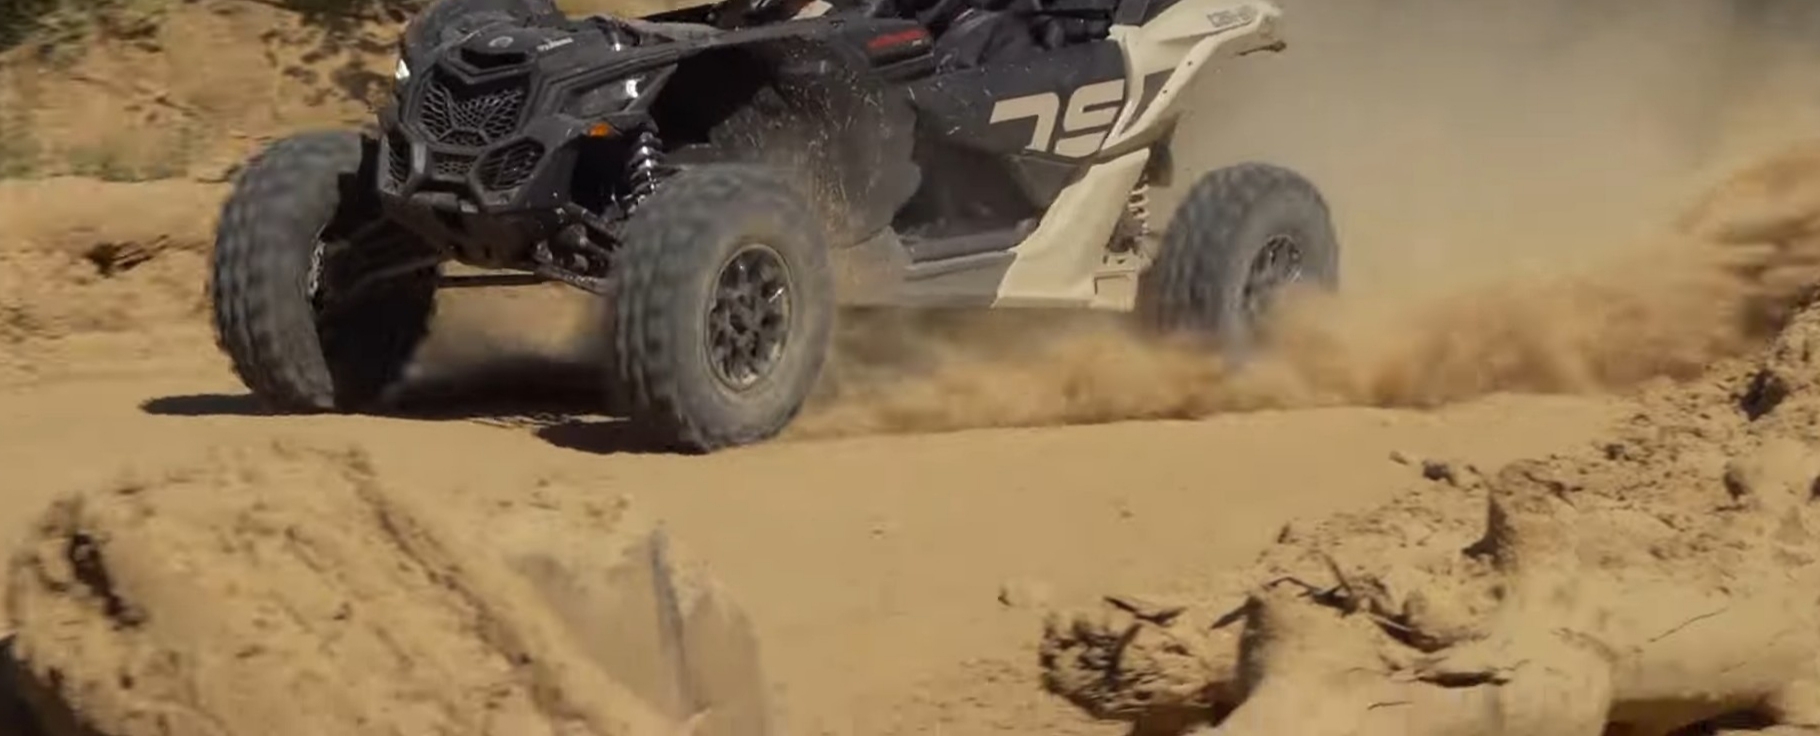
<point>288,589</point>
<point>1659,582</point>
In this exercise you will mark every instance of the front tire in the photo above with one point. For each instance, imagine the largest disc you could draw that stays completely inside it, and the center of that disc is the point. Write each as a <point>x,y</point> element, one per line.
<point>723,309</point>
<point>274,269</point>
<point>1240,237</point>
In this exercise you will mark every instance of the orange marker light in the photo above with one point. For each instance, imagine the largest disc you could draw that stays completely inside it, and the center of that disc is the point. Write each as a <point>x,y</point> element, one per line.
<point>600,130</point>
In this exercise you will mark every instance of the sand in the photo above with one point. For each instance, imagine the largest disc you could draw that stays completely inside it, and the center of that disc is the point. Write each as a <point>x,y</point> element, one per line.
<point>285,588</point>
<point>1545,467</point>
<point>1658,581</point>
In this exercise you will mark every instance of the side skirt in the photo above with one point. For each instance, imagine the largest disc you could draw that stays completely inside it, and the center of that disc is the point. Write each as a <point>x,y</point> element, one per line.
<point>958,272</point>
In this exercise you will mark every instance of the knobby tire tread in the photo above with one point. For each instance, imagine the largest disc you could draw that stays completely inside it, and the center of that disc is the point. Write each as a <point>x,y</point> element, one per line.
<point>262,317</point>
<point>666,246</point>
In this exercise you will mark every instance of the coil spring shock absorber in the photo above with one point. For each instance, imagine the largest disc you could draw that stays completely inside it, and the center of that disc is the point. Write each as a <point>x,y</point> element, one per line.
<point>642,168</point>
<point>1133,228</point>
<point>1138,206</point>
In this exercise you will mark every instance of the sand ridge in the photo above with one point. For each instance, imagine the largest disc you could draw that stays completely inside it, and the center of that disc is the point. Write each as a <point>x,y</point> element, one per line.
<point>1656,581</point>
<point>284,588</point>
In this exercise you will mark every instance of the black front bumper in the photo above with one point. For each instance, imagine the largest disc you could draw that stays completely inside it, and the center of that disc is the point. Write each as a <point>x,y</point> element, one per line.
<point>530,169</point>
<point>485,204</point>
<point>479,152</point>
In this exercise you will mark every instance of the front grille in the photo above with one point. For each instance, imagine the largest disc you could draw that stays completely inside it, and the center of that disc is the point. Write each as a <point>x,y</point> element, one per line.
<point>510,166</point>
<point>453,165</point>
<point>461,114</point>
<point>398,158</point>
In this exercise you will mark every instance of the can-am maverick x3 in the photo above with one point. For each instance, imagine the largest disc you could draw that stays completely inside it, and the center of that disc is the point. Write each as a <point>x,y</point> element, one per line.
<point>724,180</point>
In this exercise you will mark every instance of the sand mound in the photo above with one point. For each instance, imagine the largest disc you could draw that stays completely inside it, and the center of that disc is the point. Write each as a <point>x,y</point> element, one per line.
<point>84,262</point>
<point>1662,581</point>
<point>287,590</point>
<point>84,256</point>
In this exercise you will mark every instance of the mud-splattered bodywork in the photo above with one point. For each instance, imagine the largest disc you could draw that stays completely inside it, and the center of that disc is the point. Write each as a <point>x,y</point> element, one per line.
<point>1005,183</point>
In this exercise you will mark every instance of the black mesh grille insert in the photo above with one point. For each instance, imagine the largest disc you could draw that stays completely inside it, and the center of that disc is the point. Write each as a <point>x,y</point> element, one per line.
<point>510,166</point>
<point>453,166</point>
<point>471,115</point>
<point>398,158</point>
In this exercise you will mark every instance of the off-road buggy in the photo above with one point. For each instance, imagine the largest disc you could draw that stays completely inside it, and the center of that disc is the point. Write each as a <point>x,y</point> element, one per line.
<point>725,178</point>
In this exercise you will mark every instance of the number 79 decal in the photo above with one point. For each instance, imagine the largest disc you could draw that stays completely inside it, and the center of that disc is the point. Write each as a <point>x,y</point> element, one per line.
<point>1089,116</point>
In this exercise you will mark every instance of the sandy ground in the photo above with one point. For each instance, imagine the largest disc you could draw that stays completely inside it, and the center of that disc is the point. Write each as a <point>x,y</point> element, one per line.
<point>1520,284</point>
<point>871,566</point>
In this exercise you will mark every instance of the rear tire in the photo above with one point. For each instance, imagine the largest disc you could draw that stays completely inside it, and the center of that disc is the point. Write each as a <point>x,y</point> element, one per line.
<point>691,379</point>
<point>297,197</point>
<point>1221,264</point>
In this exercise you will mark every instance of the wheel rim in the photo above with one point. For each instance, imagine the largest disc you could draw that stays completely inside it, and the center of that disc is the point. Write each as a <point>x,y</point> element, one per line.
<point>748,317</point>
<point>1276,266</point>
<point>334,281</point>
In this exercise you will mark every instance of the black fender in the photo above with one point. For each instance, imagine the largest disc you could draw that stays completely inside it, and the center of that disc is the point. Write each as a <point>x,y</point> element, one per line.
<point>810,101</point>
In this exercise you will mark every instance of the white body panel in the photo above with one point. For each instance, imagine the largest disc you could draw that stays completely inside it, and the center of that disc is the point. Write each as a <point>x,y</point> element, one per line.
<point>1065,262</point>
<point>1184,40</point>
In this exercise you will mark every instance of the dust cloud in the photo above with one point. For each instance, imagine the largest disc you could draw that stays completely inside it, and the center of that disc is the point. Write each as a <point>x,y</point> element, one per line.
<point>1537,195</point>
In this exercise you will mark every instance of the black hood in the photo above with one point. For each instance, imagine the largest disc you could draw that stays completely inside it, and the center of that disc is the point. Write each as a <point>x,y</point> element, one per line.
<point>507,45</point>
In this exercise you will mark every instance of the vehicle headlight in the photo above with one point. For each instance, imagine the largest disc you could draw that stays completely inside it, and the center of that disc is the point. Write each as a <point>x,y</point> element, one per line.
<point>402,73</point>
<point>611,97</point>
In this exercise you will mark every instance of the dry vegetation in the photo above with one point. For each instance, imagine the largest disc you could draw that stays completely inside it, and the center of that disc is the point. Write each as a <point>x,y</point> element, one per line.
<point>134,90</point>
